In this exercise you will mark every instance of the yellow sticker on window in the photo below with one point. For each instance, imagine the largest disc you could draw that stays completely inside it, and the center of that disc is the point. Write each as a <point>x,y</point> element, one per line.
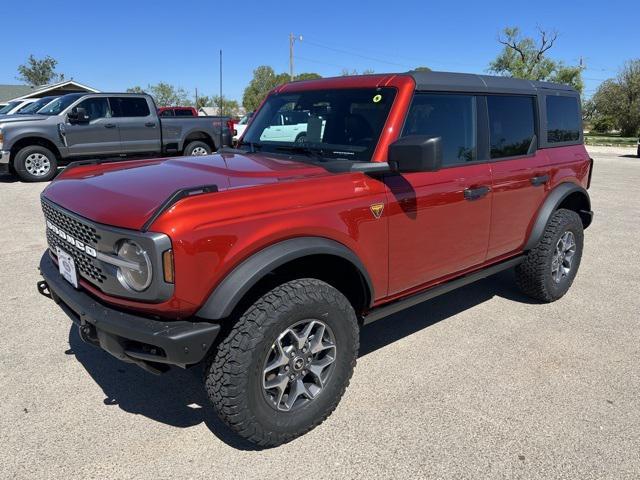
<point>377,98</point>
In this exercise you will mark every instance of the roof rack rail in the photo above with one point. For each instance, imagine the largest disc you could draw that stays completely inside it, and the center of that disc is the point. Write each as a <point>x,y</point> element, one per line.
<point>174,198</point>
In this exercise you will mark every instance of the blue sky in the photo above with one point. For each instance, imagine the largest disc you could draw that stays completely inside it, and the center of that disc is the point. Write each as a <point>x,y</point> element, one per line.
<point>117,44</point>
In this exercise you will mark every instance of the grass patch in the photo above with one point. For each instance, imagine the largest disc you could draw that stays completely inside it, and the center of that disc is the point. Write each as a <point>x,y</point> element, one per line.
<point>593,138</point>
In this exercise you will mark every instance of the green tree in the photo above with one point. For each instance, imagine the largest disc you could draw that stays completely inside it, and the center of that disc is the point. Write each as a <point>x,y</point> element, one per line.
<point>263,81</point>
<point>307,76</point>
<point>617,101</point>
<point>38,72</point>
<point>229,107</point>
<point>202,101</point>
<point>524,57</point>
<point>347,73</point>
<point>165,95</point>
<point>422,69</point>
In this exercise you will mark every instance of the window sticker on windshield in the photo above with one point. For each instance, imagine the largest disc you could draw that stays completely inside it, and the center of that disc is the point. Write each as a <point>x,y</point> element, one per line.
<point>377,98</point>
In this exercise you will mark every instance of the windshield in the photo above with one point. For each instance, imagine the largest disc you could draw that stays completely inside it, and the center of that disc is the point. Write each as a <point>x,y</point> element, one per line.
<point>8,107</point>
<point>35,106</point>
<point>58,105</point>
<point>244,120</point>
<point>340,123</point>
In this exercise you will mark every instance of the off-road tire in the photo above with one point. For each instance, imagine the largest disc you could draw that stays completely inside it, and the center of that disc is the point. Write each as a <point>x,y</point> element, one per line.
<point>233,376</point>
<point>533,275</point>
<point>196,145</point>
<point>20,168</point>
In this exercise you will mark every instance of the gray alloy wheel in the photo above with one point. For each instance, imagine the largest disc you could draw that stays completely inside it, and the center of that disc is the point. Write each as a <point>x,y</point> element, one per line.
<point>299,365</point>
<point>198,152</point>
<point>562,260</point>
<point>37,164</point>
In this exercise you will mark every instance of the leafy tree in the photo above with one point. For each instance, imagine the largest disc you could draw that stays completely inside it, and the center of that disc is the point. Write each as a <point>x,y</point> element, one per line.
<point>264,80</point>
<point>38,72</point>
<point>422,69</point>
<point>617,101</point>
<point>165,95</point>
<point>347,73</point>
<point>524,57</point>
<point>229,107</point>
<point>202,101</point>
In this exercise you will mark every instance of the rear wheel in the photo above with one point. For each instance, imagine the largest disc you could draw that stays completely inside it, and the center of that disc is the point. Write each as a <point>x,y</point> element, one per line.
<point>286,363</point>
<point>551,266</point>
<point>35,164</point>
<point>197,149</point>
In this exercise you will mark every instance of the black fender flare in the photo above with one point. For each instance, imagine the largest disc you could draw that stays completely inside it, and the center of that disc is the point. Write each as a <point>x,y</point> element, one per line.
<point>226,296</point>
<point>550,205</point>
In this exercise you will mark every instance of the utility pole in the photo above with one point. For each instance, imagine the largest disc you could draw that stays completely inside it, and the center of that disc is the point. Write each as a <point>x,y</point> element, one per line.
<point>196,98</point>
<point>292,39</point>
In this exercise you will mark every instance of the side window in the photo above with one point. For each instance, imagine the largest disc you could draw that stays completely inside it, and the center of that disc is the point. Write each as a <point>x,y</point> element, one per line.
<point>449,116</point>
<point>511,125</point>
<point>184,113</point>
<point>96,108</point>
<point>166,113</point>
<point>129,107</point>
<point>563,119</point>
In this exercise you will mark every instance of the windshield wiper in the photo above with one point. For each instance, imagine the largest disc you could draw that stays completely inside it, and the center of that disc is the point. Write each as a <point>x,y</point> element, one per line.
<point>314,152</point>
<point>253,146</point>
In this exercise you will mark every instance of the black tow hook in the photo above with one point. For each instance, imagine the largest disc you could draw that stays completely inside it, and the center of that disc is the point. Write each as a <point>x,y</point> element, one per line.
<point>43,289</point>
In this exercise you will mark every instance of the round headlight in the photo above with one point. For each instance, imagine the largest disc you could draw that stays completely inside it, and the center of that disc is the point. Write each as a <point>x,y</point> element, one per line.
<point>137,276</point>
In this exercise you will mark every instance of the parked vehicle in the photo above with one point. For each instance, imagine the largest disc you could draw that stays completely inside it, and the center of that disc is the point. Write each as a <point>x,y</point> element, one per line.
<point>264,261</point>
<point>177,112</point>
<point>99,125</point>
<point>15,106</point>
<point>33,107</point>
<point>241,126</point>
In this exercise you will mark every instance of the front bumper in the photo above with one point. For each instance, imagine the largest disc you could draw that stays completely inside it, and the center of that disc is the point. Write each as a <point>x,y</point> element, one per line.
<point>151,344</point>
<point>4,161</point>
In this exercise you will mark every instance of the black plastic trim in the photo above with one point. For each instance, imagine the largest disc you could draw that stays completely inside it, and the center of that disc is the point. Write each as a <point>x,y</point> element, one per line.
<point>182,342</point>
<point>399,305</point>
<point>239,281</point>
<point>175,197</point>
<point>555,198</point>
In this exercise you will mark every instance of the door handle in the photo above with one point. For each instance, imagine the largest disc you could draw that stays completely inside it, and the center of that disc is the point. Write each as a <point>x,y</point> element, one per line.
<point>150,124</point>
<point>541,180</point>
<point>109,125</point>
<point>476,193</point>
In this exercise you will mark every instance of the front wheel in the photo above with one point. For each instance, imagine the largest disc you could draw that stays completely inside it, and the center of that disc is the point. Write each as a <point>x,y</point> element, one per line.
<point>549,269</point>
<point>286,363</point>
<point>35,164</point>
<point>197,149</point>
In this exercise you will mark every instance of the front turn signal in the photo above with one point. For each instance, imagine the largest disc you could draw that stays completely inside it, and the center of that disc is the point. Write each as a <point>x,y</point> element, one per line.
<point>167,264</point>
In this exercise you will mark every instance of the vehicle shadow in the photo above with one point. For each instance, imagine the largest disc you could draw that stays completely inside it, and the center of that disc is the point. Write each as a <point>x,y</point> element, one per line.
<point>8,178</point>
<point>177,398</point>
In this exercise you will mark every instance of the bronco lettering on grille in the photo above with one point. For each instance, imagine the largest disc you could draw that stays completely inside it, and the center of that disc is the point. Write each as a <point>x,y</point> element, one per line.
<point>71,240</point>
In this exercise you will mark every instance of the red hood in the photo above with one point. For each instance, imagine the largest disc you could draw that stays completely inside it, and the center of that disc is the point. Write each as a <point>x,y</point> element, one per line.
<point>126,194</point>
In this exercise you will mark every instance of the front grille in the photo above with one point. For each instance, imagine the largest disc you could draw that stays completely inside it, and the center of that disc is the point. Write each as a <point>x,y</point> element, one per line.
<point>88,267</point>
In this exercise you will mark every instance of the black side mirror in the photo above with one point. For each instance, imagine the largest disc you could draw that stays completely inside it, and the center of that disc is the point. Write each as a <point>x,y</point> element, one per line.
<point>78,115</point>
<point>415,153</point>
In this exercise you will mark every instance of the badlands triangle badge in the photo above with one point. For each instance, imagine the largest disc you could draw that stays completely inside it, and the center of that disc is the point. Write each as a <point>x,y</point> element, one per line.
<point>377,209</point>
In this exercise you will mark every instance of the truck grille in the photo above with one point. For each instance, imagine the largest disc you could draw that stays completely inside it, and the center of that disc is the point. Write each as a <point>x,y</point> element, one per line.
<point>88,267</point>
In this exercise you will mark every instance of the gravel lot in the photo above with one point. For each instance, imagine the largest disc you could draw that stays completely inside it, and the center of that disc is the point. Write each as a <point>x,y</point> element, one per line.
<point>480,383</point>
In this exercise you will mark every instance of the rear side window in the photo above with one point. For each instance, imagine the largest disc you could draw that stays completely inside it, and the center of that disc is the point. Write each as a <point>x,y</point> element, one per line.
<point>166,113</point>
<point>184,113</point>
<point>451,117</point>
<point>511,125</point>
<point>129,107</point>
<point>563,119</point>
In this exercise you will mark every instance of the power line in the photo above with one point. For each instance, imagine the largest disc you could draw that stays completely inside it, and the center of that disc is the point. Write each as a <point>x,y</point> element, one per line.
<point>339,50</point>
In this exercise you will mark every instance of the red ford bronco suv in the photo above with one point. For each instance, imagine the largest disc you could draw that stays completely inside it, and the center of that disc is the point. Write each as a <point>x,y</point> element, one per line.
<point>264,261</point>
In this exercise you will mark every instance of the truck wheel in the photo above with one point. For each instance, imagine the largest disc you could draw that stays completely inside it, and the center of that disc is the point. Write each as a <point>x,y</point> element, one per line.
<point>197,149</point>
<point>35,164</point>
<point>286,363</point>
<point>550,267</point>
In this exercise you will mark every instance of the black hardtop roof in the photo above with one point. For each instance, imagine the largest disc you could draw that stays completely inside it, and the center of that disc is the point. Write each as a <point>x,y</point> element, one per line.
<point>470,82</point>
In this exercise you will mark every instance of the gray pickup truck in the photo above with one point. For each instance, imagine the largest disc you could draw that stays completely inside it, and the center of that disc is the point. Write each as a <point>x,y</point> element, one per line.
<point>78,126</point>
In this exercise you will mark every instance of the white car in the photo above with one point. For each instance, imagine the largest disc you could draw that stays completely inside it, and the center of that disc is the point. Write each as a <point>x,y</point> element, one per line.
<point>15,106</point>
<point>241,126</point>
<point>289,127</point>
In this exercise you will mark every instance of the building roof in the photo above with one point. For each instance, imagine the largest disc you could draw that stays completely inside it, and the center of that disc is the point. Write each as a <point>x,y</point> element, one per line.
<point>15,92</point>
<point>469,82</point>
<point>9,92</point>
